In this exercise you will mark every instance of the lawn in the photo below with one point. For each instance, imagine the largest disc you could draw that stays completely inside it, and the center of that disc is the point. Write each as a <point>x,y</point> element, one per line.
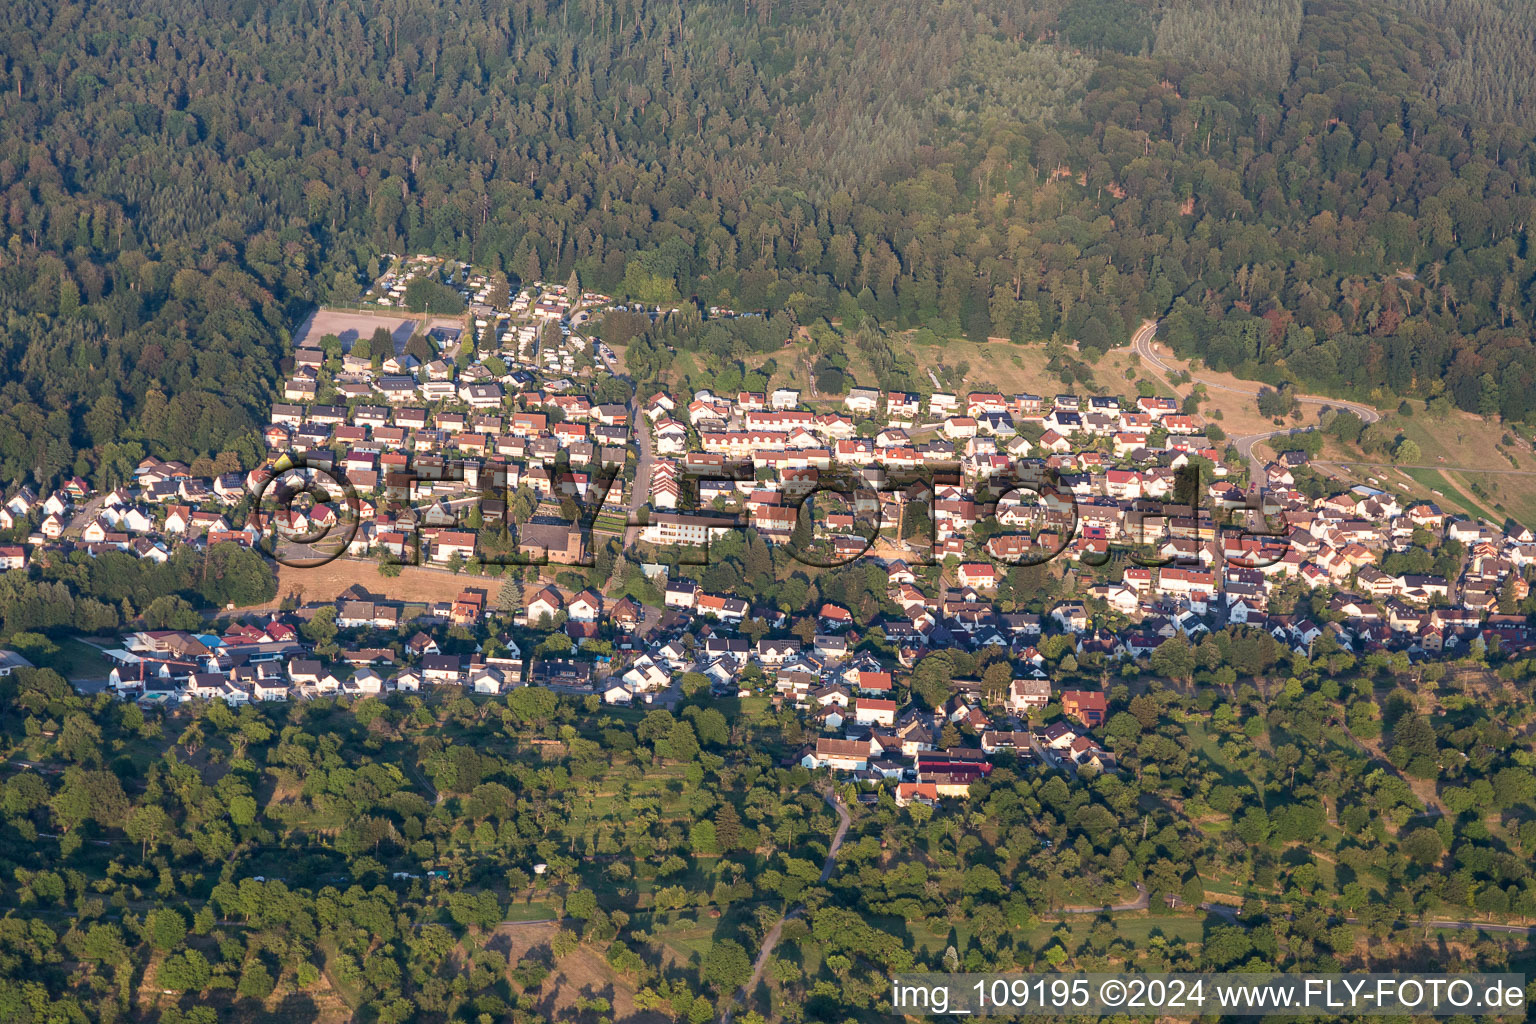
<point>1459,450</point>
<point>1208,745</point>
<point>535,911</point>
<point>79,660</point>
<point>1435,484</point>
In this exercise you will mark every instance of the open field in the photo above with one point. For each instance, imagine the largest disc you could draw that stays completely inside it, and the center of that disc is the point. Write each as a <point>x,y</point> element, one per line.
<point>1009,368</point>
<point>415,583</point>
<point>1238,414</point>
<point>581,975</point>
<point>1468,450</point>
<point>1460,451</point>
<point>990,366</point>
<point>79,660</point>
<point>1460,439</point>
<point>351,326</point>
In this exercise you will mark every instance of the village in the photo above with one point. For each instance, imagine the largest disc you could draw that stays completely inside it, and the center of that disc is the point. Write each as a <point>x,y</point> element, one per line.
<point>517,464</point>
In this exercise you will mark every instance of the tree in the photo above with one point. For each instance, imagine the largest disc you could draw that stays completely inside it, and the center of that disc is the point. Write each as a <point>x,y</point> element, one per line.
<point>726,966</point>
<point>95,796</point>
<point>320,630</point>
<point>256,981</point>
<point>1406,452</point>
<point>171,612</point>
<point>165,928</point>
<point>702,838</point>
<point>1424,847</point>
<point>728,831</point>
<point>581,904</point>
<point>996,679</point>
<point>236,575</point>
<point>147,825</point>
<point>931,679</point>
<point>187,971</point>
<point>1174,658</point>
<point>1274,403</point>
<point>425,295</point>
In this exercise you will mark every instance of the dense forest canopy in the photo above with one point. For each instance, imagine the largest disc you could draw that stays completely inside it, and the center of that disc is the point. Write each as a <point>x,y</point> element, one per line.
<point>1335,192</point>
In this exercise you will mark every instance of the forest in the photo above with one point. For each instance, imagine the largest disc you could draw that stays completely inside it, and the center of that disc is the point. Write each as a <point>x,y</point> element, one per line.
<point>1334,193</point>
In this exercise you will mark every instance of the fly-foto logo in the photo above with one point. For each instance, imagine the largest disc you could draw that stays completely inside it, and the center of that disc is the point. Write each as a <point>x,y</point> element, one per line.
<point>308,513</point>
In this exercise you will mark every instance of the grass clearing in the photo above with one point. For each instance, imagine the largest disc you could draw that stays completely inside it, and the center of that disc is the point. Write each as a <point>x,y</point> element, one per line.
<point>525,912</point>
<point>79,660</point>
<point>1461,451</point>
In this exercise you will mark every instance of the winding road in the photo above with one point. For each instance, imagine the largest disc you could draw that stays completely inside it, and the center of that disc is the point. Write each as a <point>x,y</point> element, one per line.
<point>772,938</point>
<point>1144,347</point>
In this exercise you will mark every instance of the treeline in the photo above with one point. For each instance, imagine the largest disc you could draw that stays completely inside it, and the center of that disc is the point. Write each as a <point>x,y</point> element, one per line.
<point>85,594</point>
<point>1252,36</point>
<point>1490,70</point>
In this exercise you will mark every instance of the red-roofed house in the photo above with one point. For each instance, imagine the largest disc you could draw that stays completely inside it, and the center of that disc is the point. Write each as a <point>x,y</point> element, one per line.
<point>1087,706</point>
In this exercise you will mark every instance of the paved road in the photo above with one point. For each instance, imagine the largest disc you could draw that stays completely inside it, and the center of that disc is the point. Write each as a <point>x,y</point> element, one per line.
<point>1142,342</point>
<point>772,938</point>
<point>83,516</point>
<point>1223,909</point>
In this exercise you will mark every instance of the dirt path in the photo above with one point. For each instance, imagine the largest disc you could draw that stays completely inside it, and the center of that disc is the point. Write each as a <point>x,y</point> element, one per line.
<point>1139,903</point>
<point>1421,788</point>
<point>772,938</point>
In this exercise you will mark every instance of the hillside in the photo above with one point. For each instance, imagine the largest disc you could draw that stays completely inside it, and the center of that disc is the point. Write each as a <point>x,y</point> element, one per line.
<point>1347,212</point>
